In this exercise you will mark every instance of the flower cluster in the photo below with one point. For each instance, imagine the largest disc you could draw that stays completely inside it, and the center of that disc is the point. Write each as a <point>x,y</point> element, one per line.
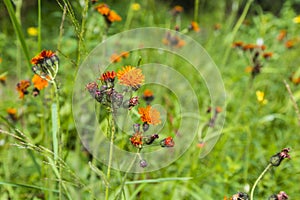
<point>256,53</point>
<point>173,40</point>
<point>132,78</point>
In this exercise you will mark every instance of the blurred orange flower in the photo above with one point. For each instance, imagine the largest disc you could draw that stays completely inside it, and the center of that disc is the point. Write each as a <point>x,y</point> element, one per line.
<point>194,26</point>
<point>22,88</point>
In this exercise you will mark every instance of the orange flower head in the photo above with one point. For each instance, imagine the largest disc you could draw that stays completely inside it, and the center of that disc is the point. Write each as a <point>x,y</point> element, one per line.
<point>115,58</point>
<point>267,55</point>
<point>177,10</point>
<point>38,59</point>
<point>218,109</point>
<point>249,47</point>
<point>22,88</point>
<point>249,69</point>
<point>238,44</point>
<point>167,142</point>
<point>148,96</point>
<point>11,111</point>
<point>130,76</point>
<point>281,35</point>
<point>137,140</point>
<point>103,9</point>
<point>113,17</point>
<point>194,26</point>
<point>124,54</point>
<point>149,115</point>
<point>38,82</point>
<point>108,76</point>
<point>289,44</point>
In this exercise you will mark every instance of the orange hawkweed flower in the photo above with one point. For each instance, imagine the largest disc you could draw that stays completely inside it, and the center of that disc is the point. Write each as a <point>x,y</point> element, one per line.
<point>130,76</point>
<point>38,82</point>
<point>194,26</point>
<point>108,76</point>
<point>22,88</point>
<point>115,58</point>
<point>249,47</point>
<point>113,17</point>
<point>12,113</point>
<point>289,44</point>
<point>103,9</point>
<point>124,54</point>
<point>137,140</point>
<point>38,59</point>
<point>267,55</point>
<point>237,44</point>
<point>281,35</point>
<point>177,10</point>
<point>150,115</point>
<point>167,142</point>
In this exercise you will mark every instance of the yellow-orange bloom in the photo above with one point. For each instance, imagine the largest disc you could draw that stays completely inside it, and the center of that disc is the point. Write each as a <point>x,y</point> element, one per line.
<point>150,115</point>
<point>130,76</point>
<point>32,31</point>
<point>38,82</point>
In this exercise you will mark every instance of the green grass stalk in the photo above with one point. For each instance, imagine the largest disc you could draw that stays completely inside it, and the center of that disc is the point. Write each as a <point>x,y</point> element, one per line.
<point>196,10</point>
<point>235,30</point>
<point>39,25</point>
<point>18,29</point>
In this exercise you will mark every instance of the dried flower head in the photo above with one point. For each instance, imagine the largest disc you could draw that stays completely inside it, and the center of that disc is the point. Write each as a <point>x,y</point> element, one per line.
<point>240,196</point>
<point>130,76</point>
<point>277,158</point>
<point>281,196</point>
<point>22,88</point>
<point>150,115</point>
<point>12,113</point>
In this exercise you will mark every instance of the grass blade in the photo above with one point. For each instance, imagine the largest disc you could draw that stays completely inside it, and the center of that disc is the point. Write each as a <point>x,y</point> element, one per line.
<point>18,30</point>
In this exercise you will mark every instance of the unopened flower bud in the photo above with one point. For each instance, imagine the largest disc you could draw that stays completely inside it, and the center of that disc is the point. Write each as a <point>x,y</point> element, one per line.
<point>150,138</point>
<point>143,163</point>
<point>145,126</point>
<point>136,127</point>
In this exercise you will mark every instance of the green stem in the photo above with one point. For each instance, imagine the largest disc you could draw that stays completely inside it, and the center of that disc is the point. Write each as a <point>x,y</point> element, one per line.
<point>57,143</point>
<point>126,173</point>
<point>258,179</point>
<point>129,17</point>
<point>196,10</point>
<point>112,136</point>
<point>39,25</point>
<point>61,27</point>
<point>235,29</point>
